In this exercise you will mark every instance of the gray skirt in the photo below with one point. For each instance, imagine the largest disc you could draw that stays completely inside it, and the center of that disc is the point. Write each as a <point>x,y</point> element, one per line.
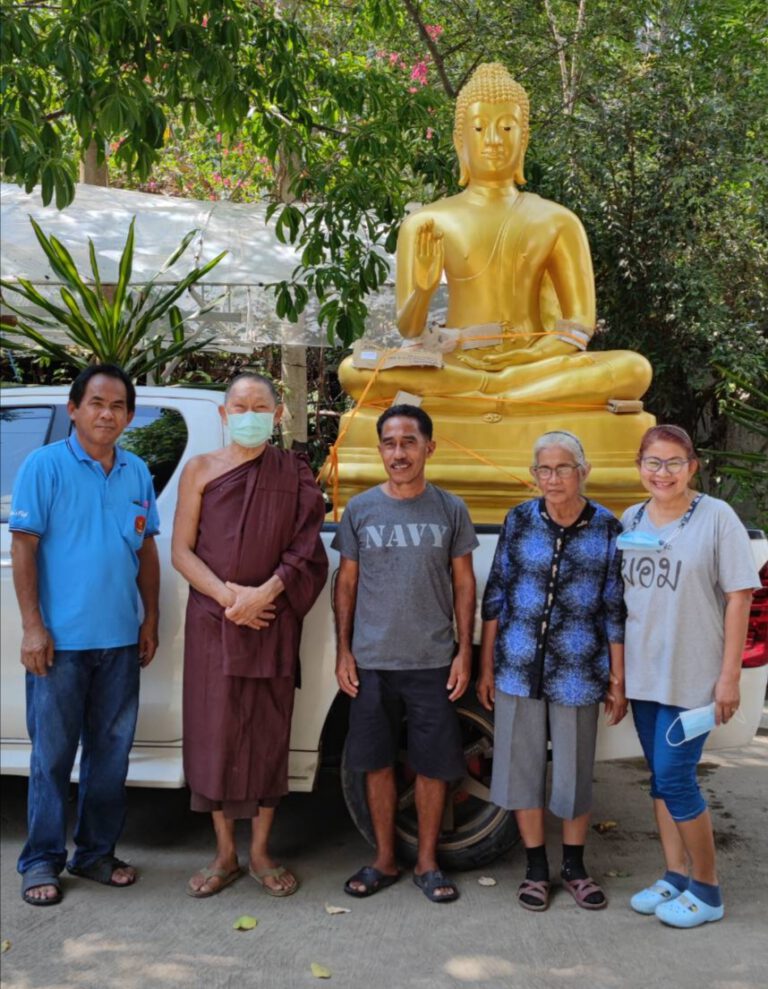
<point>523,725</point>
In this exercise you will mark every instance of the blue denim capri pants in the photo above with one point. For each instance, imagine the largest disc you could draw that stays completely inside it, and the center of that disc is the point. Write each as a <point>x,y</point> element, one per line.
<point>673,767</point>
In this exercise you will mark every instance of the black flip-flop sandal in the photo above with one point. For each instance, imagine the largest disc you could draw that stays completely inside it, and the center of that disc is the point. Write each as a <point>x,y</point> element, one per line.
<point>372,879</point>
<point>101,871</point>
<point>40,877</point>
<point>429,882</point>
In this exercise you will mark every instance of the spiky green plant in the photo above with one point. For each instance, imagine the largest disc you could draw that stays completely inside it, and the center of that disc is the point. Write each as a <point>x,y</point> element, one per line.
<point>741,476</point>
<point>118,326</point>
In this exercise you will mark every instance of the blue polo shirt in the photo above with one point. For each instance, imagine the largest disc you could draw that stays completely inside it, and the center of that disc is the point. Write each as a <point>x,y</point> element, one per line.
<point>91,526</point>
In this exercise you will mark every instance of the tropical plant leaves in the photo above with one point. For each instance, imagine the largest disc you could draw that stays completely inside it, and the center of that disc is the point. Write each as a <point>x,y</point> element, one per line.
<point>121,326</point>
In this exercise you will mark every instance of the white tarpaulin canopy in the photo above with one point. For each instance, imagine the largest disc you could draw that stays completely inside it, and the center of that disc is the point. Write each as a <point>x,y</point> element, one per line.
<point>255,257</point>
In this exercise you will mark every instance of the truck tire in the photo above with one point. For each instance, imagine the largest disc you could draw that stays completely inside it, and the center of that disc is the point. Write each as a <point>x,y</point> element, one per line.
<point>475,831</point>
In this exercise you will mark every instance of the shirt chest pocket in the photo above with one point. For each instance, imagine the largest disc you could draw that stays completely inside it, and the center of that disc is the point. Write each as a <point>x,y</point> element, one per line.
<point>135,525</point>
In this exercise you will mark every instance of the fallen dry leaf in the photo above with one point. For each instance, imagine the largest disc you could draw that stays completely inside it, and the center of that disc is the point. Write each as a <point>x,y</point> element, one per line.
<point>329,908</point>
<point>5,946</point>
<point>602,826</point>
<point>245,923</point>
<point>486,881</point>
<point>320,971</point>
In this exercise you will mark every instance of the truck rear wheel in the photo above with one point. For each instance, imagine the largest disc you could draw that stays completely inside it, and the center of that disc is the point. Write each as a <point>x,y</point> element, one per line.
<point>474,831</point>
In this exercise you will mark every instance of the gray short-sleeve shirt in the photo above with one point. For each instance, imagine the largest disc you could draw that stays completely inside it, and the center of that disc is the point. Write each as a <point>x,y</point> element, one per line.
<point>676,603</point>
<point>404,548</point>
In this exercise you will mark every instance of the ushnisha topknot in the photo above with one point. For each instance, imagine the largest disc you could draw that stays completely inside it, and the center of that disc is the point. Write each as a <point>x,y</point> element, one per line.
<point>492,83</point>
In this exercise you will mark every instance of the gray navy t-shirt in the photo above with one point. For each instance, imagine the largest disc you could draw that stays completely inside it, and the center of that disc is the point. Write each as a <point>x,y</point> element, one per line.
<point>676,602</point>
<point>404,548</point>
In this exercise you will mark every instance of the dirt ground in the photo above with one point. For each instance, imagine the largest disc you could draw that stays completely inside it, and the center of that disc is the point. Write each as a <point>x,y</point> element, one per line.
<point>152,935</point>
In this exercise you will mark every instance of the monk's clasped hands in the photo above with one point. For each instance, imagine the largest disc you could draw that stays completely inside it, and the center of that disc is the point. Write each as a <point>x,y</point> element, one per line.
<point>252,606</point>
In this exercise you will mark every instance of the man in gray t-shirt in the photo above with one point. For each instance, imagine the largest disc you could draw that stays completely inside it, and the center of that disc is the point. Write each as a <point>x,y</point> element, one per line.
<point>405,571</point>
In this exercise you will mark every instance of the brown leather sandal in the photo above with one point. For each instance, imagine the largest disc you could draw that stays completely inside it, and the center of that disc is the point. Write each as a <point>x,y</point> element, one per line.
<point>580,889</point>
<point>537,891</point>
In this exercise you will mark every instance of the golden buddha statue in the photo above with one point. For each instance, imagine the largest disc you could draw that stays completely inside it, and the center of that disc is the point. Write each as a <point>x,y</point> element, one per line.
<point>519,276</point>
<point>512,359</point>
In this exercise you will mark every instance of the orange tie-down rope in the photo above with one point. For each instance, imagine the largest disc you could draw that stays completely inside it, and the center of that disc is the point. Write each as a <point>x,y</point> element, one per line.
<point>507,335</point>
<point>329,472</point>
<point>486,460</point>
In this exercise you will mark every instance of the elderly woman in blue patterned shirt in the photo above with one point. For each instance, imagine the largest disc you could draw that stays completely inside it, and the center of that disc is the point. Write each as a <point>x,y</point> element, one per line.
<point>552,650</point>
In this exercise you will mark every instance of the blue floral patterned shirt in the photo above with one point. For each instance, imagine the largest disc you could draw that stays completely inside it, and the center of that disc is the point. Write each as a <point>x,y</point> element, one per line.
<point>558,596</point>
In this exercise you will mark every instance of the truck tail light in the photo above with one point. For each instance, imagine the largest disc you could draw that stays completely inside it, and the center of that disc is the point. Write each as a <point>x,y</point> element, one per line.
<point>756,648</point>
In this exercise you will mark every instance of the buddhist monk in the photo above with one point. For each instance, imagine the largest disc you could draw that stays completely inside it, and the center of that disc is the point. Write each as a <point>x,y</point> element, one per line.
<point>521,294</point>
<point>246,537</point>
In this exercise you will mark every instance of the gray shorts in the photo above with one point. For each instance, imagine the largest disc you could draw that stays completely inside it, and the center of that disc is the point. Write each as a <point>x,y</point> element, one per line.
<point>522,727</point>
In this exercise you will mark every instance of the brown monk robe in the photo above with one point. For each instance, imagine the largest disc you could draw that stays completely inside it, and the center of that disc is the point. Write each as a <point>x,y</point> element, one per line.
<point>259,519</point>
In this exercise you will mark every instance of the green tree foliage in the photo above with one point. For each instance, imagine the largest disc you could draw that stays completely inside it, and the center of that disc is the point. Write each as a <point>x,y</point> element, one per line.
<point>649,120</point>
<point>78,71</point>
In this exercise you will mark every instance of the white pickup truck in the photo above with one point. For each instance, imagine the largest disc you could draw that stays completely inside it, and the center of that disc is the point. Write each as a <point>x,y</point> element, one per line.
<point>173,424</point>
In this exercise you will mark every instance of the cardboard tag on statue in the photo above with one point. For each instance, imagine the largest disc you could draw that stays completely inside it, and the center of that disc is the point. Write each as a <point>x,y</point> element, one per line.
<point>372,356</point>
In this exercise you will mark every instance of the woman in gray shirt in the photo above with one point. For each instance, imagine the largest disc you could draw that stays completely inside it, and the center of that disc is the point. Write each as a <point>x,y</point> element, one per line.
<point>688,578</point>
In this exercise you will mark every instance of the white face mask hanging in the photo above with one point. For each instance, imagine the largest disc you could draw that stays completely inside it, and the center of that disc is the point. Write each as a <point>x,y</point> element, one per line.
<point>697,721</point>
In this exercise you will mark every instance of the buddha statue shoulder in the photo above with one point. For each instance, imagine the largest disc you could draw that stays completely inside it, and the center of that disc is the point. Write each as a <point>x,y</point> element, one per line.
<point>521,293</point>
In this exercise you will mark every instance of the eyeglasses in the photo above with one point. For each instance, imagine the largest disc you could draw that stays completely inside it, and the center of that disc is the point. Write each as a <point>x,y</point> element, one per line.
<point>562,470</point>
<point>654,464</point>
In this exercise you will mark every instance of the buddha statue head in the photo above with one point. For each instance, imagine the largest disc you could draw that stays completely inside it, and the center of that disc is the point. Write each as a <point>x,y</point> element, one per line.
<point>490,132</point>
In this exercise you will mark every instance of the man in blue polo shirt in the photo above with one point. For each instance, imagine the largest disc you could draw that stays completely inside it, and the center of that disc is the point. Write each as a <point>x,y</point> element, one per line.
<point>83,518</point>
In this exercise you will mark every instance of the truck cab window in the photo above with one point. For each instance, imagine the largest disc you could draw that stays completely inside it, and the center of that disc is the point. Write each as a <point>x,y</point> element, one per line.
<point>23,430</point>
<point>159,437</point>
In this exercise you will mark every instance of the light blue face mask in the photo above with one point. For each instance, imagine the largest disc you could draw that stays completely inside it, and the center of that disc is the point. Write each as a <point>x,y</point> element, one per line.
<point>250,429</point>
<point>697,721</point>
<point>642,541</point>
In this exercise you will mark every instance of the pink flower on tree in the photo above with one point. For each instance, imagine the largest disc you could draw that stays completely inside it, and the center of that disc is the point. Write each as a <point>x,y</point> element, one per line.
<point>419,73</point>
<point>433,30</point>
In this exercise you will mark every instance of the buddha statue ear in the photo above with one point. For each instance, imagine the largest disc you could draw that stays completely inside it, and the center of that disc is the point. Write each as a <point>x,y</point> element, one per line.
<point>519,175</point>
<point>463,169</point>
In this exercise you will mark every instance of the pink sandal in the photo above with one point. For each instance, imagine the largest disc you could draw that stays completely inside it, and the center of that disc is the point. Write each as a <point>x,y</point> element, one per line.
<point>580,889</point>
<point>538,890</point>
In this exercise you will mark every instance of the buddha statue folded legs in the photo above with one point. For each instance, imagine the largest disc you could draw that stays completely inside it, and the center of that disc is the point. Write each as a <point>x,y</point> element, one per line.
<point>583,379</point>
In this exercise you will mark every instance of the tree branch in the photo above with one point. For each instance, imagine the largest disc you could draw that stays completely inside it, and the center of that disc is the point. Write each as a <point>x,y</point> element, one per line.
<point>579,27</point>
<point>469,72</point>
<point>437,58</point>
